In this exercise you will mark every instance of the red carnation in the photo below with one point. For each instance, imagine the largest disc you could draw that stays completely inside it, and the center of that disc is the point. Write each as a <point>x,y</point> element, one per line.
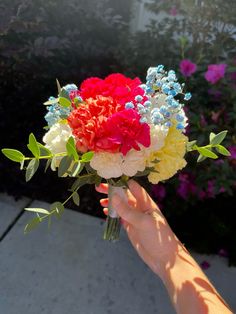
<point>121,88</point>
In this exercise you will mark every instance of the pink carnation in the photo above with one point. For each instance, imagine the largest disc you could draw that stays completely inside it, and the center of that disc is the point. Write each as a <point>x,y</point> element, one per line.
<point>187,68</point>
<point>124,129</point>
<point>215,72</point>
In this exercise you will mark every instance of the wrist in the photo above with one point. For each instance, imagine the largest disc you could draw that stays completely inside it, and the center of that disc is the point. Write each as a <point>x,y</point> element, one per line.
<point>171,260</point>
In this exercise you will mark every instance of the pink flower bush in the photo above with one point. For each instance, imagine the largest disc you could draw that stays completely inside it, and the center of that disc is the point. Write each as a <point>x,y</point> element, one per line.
<point>186,186</point>
<point>232,150</point>
<point>173,11</point>
<point>215,72</point>
<point>159,191</point>
<point>187,67</point>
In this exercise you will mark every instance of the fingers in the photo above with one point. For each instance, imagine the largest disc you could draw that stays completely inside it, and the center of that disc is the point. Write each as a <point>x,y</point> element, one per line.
<point>104,202</point>
<point>126,212</point>
<point>144,201</point>
<point>102,188</point>
<point>105,210</point>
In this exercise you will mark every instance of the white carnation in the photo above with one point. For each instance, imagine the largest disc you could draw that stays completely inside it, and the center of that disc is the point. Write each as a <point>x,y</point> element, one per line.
<point>108,165</point>
<point>133,162</point>
<point>56,139</point>
<point>114,165</point>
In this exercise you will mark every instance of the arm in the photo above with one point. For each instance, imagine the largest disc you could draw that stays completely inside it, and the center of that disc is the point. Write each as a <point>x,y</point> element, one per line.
<point>189,289</point>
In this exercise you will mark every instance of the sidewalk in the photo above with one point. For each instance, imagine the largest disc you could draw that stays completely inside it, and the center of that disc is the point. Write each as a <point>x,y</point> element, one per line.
<point>71,270</point>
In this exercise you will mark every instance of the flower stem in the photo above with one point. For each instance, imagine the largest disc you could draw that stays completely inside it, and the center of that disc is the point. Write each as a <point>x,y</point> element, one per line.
<point>112,229</point>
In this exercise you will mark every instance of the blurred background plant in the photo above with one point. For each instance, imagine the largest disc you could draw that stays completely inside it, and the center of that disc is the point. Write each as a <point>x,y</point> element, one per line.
<point>72,40</point>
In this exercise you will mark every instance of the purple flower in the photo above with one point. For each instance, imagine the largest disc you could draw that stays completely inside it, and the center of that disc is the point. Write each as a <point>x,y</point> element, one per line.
<point>215,93</point>
<point>232,150</point>
<point>203,121</point>
<point>186,186</point>
<point>205,265</point>
<point>222,189</point>
<point>173,11</point>
<point>202,195</point>
<point>223,252</point>
<point>187,68</point>
<point>159,191</point>
<point>219,161</point>
<point>215,72</point>
<point>211,189</point>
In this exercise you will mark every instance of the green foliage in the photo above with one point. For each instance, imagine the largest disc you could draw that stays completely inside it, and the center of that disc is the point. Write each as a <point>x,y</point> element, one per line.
<point>32,224</point>
<point>86,157</point>
<point>38,210</point>
<point>33,146</point>
<point>13,154</point>
<point>64,166</point>
<point>71,149</point>
<point>64,102</point>
<point>31,169</point>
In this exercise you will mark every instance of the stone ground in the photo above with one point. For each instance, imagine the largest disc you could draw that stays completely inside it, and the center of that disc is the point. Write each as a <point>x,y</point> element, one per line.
<point>71,270</point>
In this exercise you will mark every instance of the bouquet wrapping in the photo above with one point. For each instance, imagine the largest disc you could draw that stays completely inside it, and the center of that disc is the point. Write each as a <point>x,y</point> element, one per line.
<point>113,129</point>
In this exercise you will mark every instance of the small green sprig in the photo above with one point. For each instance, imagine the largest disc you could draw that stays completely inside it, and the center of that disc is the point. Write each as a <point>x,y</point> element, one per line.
<point>210,150</point>
<point>70,164</point>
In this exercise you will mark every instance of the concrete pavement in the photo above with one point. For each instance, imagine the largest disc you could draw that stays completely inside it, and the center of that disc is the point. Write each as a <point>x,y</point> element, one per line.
<point>70,269</point>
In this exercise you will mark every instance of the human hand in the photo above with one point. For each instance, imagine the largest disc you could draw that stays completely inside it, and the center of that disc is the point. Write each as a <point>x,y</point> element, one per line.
<point>146,226</point>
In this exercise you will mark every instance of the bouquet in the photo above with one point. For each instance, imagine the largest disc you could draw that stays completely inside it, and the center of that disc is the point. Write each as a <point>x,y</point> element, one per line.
<point>113,129</point>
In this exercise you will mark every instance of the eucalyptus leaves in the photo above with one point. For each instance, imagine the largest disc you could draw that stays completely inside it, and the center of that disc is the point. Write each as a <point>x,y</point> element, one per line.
<point>207,151</point>
<point>71,164</point>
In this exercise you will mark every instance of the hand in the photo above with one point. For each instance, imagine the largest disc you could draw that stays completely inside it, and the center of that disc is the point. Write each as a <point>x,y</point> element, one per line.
<point>146,226</point>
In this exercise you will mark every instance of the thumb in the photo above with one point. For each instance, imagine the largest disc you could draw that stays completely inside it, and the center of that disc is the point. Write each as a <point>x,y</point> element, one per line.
<point>125,211</point>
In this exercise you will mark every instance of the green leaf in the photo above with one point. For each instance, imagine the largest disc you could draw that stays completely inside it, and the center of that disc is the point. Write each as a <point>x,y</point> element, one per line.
<point>44,151</point>
<point>86,179</point>
<point>32,224</point>
<point>71,149</point>
<point>201,158</point>
<point>98,180</point>
<point>76,198</point>
<point>190,145</point>
<point>33,146</point>
<point>218,138</point>
<point>58,86</point>
<point>13,154</point>
<point>212,135</point>
<point>64,165</point>
<point>87,156</point>
<point>31,169</point>
<point>207,152</point>
<point>222,150</point>
<point>51,102</point>
<point>143,173</point>
<point>64,93</point>
<point>38,210</point>
<point>183,41</point>
<point>64,102</point>
<point>47,165</point>
<point>76,169</point>
<point>58,207</point>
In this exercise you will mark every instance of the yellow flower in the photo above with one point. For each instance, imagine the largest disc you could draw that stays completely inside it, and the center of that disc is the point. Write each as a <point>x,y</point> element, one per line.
<point>170,156</point>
